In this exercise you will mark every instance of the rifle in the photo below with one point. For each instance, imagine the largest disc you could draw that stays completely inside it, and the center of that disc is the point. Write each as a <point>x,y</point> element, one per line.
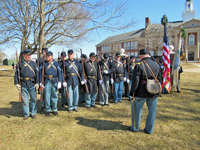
<point>38,56</point>
<point>20,92</point>
<point>128,79</point>
<point>42,88</point>
<point>67,94</point>
<point>101,80</point>
<point>86,88</point>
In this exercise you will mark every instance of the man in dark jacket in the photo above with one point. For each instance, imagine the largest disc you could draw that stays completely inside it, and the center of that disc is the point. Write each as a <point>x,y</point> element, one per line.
<point>106,69</point>
<point>28,76</point>
<point>141,94</point>
<point>91,71</point>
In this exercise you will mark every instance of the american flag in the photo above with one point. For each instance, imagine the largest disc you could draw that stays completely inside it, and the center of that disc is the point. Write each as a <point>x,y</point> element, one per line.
<point>166,61</point>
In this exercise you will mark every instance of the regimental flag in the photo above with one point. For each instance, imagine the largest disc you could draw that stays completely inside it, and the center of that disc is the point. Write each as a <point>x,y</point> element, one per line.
<point>166,61</point>
<point>176,62</point>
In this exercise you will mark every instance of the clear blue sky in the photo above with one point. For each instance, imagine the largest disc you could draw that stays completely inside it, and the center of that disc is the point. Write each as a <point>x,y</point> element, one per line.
<point>139,10</point>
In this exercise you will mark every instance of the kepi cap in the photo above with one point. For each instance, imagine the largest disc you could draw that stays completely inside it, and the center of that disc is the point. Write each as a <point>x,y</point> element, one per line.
<point>84,56</point>
<point>144,51</point>
<point>45,49</point>
<point>106,55</point>
<point>132,56</point>
<point>70,51</point>
<point>49,53</point>
<point>117,54</point>
<point>92,54</point>
<point>27,51</point>
<point>63,53</point>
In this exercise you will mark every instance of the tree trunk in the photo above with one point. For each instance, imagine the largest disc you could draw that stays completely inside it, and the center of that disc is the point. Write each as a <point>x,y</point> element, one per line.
<point>42,17</point>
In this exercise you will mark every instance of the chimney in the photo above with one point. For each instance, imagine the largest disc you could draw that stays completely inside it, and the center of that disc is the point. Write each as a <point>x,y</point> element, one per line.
<point>147,22</point>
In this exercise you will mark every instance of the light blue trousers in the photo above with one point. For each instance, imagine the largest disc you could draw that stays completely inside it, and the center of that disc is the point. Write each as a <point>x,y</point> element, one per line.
<point>26,91</point>
<point>118,91</point>
<point>104,97</point>
<point>73,97</point>
<point>90,98</point>
<point>51,97</point>
<point>138,105</point>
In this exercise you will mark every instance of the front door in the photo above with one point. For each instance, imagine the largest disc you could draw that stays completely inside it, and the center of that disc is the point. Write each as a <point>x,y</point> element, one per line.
<point>191,55</point>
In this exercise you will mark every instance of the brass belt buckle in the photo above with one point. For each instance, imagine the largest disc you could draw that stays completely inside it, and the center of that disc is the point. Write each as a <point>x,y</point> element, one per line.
<point>73,74</point>
<point>26,78</point>
<point>93,77</point>
<point>50,76</point>
<point>120,74</point>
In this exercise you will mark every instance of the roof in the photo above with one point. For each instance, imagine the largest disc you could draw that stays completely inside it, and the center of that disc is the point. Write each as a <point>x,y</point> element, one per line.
<point>160,26</point>
<point>122,37</point>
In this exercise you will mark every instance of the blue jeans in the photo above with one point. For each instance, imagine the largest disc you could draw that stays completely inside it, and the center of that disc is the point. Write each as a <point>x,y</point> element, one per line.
<point>73,97</point>
<point>51,97</point>
<point>26,91</point>
<point>118,91</point>
<point>104,97</point>
<point>137,105</point>
<point>63,95</point>
<point>90,98</point>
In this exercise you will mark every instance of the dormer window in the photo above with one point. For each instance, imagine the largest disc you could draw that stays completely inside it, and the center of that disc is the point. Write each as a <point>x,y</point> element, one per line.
<point>192,25</point>
<point>188,6</point>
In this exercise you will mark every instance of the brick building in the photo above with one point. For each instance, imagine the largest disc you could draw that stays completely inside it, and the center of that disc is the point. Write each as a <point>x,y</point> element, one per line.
<point>151,37</point>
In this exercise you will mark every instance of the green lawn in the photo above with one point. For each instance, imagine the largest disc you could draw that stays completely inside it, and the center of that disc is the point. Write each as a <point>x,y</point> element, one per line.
<point>177,123</point>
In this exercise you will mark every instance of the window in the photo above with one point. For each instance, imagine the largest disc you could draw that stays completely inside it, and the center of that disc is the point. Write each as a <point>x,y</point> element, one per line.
<point>132,53</point>
<point>191,39</point>
<point>125,46</point>
<point>113,56</point>
<point>192,24</point>
<point>188,6</point>
<point>129,54</point>
<point>132,45</point>
<point>150,43</point>
<point>120,46</point>
<point>128,45</point>
<point>136,54</point>
<point>136,44</point>
<point>160,53</point>
<point>152,53</point>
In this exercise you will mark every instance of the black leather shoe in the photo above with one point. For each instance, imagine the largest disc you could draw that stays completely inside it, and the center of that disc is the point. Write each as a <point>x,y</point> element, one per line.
<point>42,109</point>
<point>102,105</point>
<point>25,118</point>
<point>107,104</point>
<point>178,91</point>
<point>63,105</point>
<point>33,117</point>
<point>88,107</point>
<point>55,112</point>
<point>130,99</point>
<point>94,106</point>
<point>47,114</point>
<point>146,132</point>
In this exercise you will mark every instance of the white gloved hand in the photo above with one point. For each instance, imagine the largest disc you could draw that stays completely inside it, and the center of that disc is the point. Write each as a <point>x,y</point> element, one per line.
<point>85,81</point>
<point>112,81</point>
<point>124,79</point>
<point>106,71</point>
<point>41,85</point>
<point>128,81</point>
<point>59,85</point>
<point>100,82</point>
<point>82,82</point>
<point>64,84</point>
<point>18,87</point>
<point>36,86</point>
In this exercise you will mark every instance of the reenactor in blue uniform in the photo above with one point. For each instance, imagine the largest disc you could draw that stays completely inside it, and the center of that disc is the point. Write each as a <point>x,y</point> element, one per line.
<point>44,50</point>
<point>119,76</point>
<point>29,79</point>
<point>106,69</point>
<point>74,74</point>
<point>62,90</point>
<point>131,68</point>
<point>91,71</point>
<point>81,89</point>
<point>141,94</point>
<point>52,82</point>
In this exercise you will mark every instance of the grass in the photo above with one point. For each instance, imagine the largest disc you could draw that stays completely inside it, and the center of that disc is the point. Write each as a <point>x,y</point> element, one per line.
<point>176,127</point>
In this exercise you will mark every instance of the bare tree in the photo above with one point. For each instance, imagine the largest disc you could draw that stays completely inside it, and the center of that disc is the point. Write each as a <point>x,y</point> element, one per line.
<point>43,23</point>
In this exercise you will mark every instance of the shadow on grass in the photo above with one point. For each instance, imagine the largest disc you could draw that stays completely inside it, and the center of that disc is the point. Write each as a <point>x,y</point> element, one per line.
<point>101,124</point>
<point>15,110</point>
<point>193,90</point>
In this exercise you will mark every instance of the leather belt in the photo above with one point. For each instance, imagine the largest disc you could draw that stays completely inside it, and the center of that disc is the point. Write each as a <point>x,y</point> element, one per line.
<point>71,74</point>
<point>27,78</point>
<point>49,76</point>
<point>118,75</point>
<point>91,77</point>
